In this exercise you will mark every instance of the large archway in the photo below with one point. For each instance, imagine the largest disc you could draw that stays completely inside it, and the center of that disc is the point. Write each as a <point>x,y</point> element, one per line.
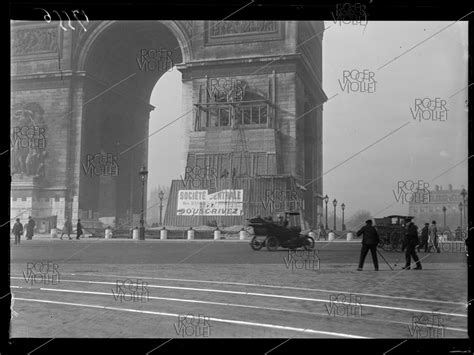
<point>115,125</point>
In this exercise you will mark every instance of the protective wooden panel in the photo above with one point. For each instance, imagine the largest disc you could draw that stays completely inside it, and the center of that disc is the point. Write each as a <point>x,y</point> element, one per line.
<point>262,196</point>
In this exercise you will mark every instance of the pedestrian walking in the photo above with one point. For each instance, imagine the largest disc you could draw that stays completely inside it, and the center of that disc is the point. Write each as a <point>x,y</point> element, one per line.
<point>79,229</point>
<point>424,238</point>
<point>30,228</point>
<point>17,231</point>
<point>67,229</point>
<point>410,242</point>
<point>370,240</point>
<point>433,231</point>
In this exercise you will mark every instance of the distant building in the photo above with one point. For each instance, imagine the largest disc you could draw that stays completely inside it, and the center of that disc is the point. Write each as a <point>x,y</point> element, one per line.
<point>433,208</point>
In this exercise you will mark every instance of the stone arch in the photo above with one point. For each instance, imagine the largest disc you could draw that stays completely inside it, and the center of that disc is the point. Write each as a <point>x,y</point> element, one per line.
<point>86,41</point>
<point>115,120</point>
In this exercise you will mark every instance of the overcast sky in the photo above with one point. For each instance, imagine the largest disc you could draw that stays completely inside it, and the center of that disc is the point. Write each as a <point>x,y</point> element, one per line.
<point>436,68</point>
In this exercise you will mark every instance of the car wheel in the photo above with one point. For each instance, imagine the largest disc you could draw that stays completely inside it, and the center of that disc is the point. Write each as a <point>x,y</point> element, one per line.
<point>272,243</point>
<point>256,244</point>
<point>308,243</point>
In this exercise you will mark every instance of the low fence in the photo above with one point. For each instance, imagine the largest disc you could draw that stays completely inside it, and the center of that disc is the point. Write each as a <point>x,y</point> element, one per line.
<point>171,234</point>
<point>199,234</point>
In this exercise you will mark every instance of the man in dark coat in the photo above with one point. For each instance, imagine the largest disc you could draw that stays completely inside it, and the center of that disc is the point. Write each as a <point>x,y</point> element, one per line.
<point>370,240</point>
<point>410,243</point>
<point>424,238</point>
<point>79,229</point>
<point>30,228</point>
<point>17,231</point>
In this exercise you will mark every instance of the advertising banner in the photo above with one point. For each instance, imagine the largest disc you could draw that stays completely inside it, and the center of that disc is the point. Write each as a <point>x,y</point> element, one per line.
<point>220,203</point>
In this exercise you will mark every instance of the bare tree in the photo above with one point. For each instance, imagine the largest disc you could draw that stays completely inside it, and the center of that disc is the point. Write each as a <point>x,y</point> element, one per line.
<point>153,205</point>
<point>357,220</point>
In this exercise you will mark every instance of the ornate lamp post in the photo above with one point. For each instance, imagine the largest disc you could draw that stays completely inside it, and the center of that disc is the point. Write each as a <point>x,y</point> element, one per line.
<point>160,195</point>
<point>143,177</point>
<point>466,207</point>
<point>463,195</point>
<point>326,199</point>
<point>343,206</point>
<point>444,213</point>
<point>460,211</point>
<point>334,203</point>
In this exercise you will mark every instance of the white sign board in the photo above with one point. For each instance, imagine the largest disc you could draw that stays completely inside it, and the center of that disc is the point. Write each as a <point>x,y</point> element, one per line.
<point>220,203</point>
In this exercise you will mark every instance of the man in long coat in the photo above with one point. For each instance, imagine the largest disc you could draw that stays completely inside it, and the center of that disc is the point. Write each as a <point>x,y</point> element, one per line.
<point>17,231</point>
<point>410,243</point>
<point>370,240</point>
<point>424,238</point>
<point>79,229</point>
<point>30,228</point>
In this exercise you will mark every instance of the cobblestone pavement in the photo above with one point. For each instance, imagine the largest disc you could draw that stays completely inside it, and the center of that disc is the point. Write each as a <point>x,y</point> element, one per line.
<point>146,289</point>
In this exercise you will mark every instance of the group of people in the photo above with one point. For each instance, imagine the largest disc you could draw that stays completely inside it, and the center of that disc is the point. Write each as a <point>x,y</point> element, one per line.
<point>67,229</point>
<point>18,229</point>
<point>429,238</point>
<point>411,243</point>
<point>281,221</point>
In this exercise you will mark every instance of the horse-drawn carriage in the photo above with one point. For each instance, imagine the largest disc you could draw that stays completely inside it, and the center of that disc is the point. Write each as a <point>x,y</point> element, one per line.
<point>274,234</point>
<point>392,230</point>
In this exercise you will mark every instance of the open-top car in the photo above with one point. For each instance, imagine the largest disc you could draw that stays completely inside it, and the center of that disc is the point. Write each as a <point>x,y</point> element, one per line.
<point>291,232</point>
<point>392,231</point>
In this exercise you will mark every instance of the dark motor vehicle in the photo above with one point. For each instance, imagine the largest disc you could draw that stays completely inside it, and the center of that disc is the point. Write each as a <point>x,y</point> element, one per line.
<point>392,231</point>
<point>272,235</point>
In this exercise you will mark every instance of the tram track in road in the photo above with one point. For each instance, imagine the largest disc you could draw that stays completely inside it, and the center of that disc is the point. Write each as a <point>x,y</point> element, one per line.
<point>229,281</point>
<point>270,295</point>
<point>295,311</point>
<point>228,304</point>
<point>282,287</point>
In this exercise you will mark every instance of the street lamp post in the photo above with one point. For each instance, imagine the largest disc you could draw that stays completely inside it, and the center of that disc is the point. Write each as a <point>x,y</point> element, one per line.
<point>334,203</point>
<point>160,195</point>
<point>466,207</point>
<point>143,177</point>
<point>326,199</point>
<point>463,194</point>
<point>460,212</point>
<point>343,206</point>
<point>444,213</point>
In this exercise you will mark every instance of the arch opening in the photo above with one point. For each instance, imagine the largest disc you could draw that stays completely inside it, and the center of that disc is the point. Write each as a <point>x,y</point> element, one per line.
<point>122,66</point>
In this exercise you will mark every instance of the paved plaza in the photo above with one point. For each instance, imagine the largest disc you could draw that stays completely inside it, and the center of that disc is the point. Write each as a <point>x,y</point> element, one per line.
<point>222,289</point>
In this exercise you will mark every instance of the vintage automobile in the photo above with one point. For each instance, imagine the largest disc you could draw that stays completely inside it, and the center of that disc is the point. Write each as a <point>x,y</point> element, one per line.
<point>272,235</point>
<point>392,231</point>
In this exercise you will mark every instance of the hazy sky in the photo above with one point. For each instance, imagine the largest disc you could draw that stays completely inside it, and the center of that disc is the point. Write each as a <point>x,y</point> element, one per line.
<point>436,68</point>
